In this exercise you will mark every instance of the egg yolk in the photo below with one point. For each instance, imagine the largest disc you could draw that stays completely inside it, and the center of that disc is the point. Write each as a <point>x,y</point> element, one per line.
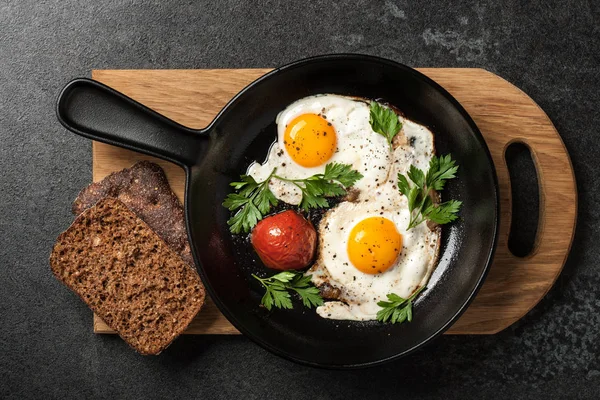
<point>310,140</point>
<point>374,245</point>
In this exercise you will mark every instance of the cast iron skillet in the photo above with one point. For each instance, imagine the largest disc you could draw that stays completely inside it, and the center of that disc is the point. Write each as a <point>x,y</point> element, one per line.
<point>242,132</point>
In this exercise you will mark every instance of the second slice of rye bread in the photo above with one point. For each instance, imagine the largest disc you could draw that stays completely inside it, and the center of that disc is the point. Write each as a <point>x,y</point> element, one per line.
<point>128,276</point>
<point>145,190</point>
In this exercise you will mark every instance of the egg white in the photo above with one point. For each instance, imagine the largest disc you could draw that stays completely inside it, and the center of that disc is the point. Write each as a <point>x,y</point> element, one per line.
<point>357,145</point>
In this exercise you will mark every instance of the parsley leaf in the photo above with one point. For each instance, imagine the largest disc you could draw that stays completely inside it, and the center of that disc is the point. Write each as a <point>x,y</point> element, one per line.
<point>342,173</point>
<point>312,199</point>
<point>264,200</point>
<point>440,170</point>
<point>245,219</point>
<point>254,199</point>
<point>384,121</point>
<point>397,309</point>
<point>403,185</point>
<point>332,183</point>
<point>420,204</point>
<point>283,277</point>
<point>281,298</point>
<point>443,213</point>
<point>416,175</point>
<point>278,286</point>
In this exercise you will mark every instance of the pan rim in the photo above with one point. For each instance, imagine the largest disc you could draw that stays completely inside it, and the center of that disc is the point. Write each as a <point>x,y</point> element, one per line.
<point>472,293</point>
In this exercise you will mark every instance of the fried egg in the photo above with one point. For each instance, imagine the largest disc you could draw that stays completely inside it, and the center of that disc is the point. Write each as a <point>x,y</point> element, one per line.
<point>322,129</point>
<point>365,251</point>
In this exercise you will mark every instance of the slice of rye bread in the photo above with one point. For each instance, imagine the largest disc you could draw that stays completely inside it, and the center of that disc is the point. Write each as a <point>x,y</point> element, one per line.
<point>145,190</point>
<point>127,275</point>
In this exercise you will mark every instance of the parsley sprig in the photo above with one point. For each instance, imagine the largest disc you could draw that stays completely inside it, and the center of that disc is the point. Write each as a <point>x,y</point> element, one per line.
<point>254,199</point>
<point>397,309</point>
<point>384,121</point>
<point>333,182</point>
<point>420,204</point>
<point>278,286</point>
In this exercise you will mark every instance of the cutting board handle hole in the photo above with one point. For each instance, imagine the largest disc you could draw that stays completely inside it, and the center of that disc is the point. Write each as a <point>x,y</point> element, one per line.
<point>525,199</point>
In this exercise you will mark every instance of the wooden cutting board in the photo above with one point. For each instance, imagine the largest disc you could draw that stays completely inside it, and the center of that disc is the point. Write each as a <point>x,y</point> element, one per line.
<point>503,113</point>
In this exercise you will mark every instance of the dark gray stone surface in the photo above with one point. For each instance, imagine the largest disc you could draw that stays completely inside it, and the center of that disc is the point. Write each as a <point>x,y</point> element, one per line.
<point>47,349</point>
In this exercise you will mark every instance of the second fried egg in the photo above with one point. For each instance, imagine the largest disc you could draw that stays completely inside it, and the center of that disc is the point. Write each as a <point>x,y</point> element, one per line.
<point>366,253</point>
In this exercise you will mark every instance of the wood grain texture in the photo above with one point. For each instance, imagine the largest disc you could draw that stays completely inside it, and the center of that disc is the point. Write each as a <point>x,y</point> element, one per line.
<point>503,113</point>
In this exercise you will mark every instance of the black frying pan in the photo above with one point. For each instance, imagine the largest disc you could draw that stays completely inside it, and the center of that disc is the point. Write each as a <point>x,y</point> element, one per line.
<point>242,132</point>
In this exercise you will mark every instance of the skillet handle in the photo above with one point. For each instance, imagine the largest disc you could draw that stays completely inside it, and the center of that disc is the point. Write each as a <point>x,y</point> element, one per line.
<point>95,111</point>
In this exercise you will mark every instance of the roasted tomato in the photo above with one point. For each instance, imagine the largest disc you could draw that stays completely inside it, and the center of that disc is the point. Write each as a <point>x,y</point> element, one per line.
<point>285,241</point>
